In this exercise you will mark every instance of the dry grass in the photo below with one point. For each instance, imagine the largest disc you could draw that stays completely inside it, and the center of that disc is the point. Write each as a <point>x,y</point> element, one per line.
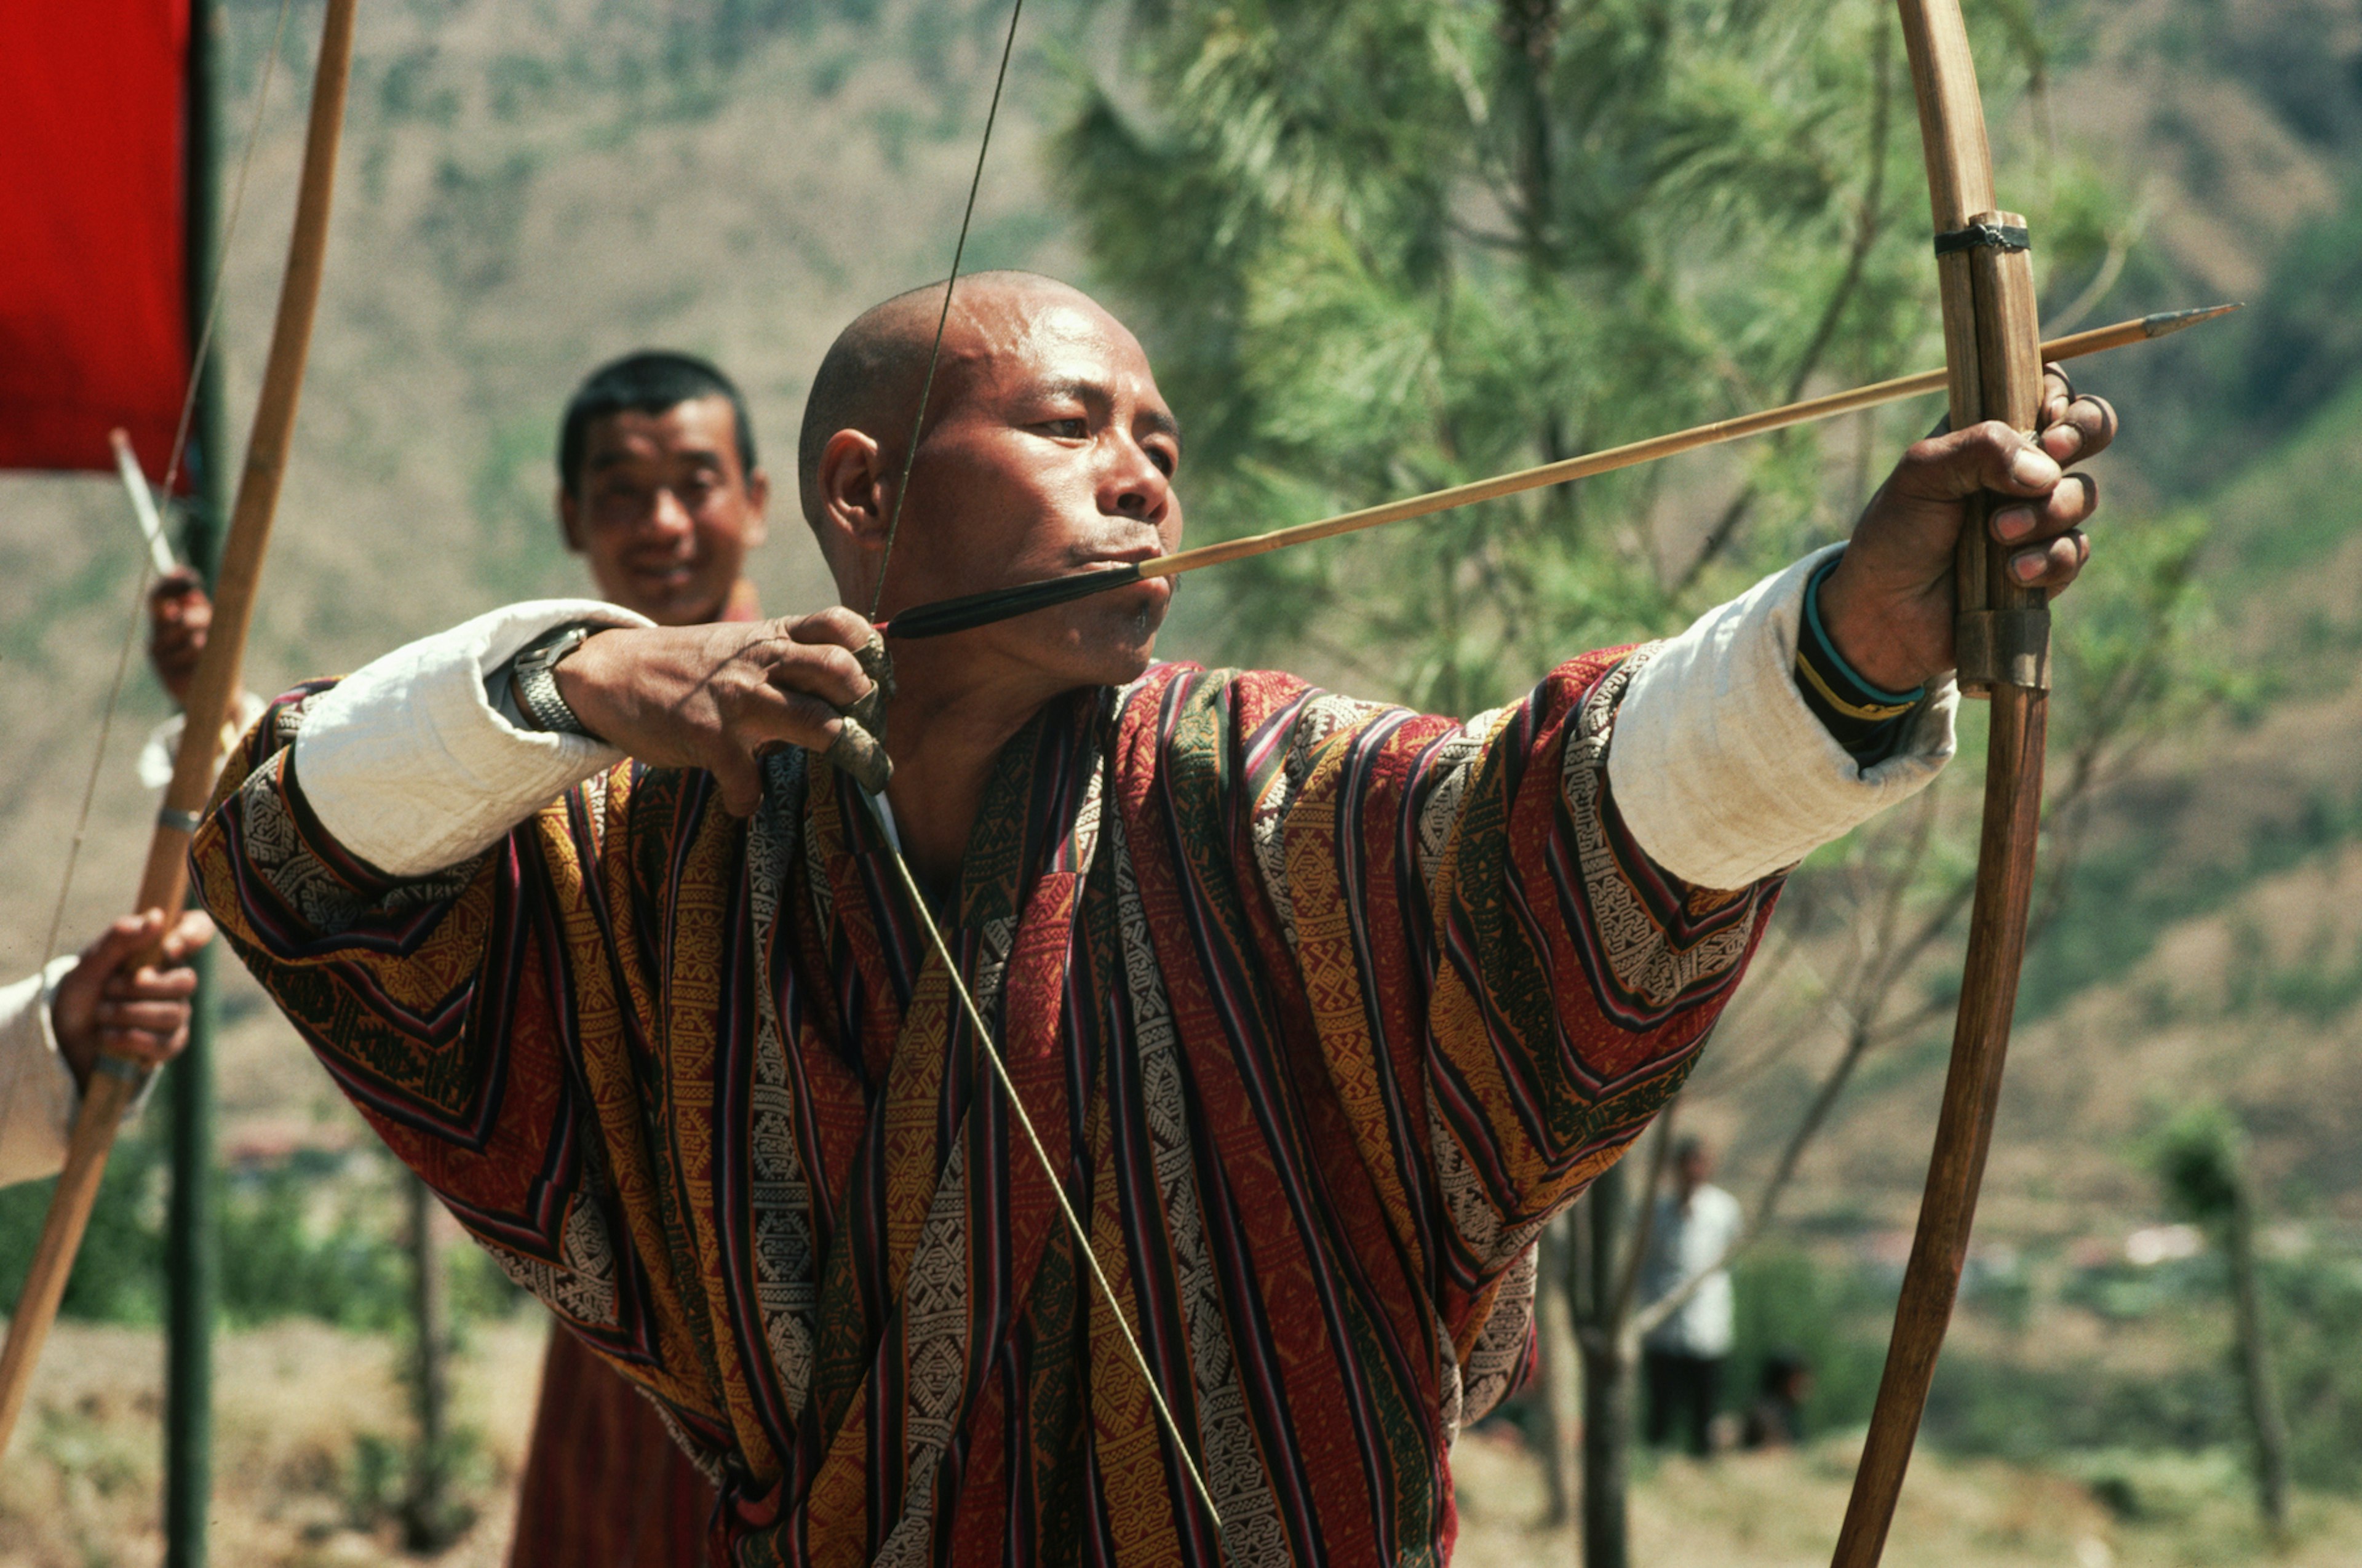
<point>295,1404</point>
<point>1781,1511</point>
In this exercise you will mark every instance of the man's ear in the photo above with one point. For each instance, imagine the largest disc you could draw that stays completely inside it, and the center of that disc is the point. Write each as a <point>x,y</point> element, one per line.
<point>758,500</point>
<point>851,490</point>
<point>569,519</point>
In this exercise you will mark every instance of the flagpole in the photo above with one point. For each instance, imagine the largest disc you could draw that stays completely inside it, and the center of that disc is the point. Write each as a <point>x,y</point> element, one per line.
<point>192,1239</point>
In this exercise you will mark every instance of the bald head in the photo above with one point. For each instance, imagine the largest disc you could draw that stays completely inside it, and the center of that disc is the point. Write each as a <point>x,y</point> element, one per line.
<point>1047,450</point>
<point>871,378</point>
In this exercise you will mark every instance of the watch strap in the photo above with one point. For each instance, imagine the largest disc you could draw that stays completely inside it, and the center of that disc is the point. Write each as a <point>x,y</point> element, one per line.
<point>533,677</point>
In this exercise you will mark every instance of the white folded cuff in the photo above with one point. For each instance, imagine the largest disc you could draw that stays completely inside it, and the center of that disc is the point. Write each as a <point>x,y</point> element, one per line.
<point>38,1100</point>
<point>1722,773</point>
<point>407,764</point>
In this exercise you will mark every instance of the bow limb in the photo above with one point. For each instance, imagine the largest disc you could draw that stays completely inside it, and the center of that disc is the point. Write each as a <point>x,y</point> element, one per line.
<point>164,883</point>
<point>1994,359</point>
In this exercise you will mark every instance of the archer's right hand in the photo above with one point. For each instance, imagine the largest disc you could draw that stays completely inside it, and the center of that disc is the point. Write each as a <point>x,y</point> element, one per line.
<point>713,697</point>
<point>179,615</point>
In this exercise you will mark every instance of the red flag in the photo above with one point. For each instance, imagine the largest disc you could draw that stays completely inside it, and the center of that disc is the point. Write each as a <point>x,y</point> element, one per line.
<point>94,317</point>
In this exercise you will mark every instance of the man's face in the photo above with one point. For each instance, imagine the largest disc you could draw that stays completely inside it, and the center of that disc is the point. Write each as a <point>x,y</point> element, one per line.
<point>663,512</point>
<point>1053,453</point>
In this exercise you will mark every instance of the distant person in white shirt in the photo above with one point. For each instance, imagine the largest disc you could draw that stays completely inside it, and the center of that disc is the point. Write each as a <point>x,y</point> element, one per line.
<point>54,1026</point>
<point>1682,1357</point>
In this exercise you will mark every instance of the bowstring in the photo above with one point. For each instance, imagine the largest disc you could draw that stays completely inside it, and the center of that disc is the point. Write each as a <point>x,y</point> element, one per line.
<point>1042,1156</point>
<point>935,354</point>
<point>943,952</point>
<point>197,357</point>
<point>221,258</point>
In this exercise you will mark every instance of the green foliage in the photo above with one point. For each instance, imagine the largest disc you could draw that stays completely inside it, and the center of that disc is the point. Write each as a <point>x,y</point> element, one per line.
<point>1787,1304</point>
<point>2123,898</point>
<point>2197,1157</point>
<point>1390,247</point>
<point>298,1242</point>
<point>2013,1400</point>
<point>314,1236</point>
<point>1989,1405</point>
<point>117,1275</point>
<point>1538,230</point>
<point>2317,1323</point>
<point>2137,656</point>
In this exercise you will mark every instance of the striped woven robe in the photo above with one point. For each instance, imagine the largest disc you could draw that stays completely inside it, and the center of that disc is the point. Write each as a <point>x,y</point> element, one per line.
<point>1321,1008</point>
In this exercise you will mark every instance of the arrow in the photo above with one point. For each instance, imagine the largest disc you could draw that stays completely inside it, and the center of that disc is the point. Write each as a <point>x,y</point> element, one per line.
<point>143,504</point>
<point>972,610</point>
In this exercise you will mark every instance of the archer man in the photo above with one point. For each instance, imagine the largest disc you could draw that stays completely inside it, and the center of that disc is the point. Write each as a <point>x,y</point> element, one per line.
<point>1320,1007</point>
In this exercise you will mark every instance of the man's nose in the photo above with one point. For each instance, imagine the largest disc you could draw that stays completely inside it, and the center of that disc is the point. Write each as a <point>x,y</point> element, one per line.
<point>1141,488</point>
<point>666,515</point>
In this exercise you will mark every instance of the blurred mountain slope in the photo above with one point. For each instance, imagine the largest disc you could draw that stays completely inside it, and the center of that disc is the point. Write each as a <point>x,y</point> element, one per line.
<point>525,190</point>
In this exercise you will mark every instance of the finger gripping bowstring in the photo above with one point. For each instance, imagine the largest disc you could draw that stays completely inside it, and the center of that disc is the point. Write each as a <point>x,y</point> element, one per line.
<point>942,950</point>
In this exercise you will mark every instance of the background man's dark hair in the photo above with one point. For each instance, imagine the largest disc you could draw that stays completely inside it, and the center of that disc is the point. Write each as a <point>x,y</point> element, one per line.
<point>647,382</point>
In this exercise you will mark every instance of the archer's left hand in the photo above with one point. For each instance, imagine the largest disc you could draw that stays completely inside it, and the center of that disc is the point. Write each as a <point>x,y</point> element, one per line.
<point>1889,604</point>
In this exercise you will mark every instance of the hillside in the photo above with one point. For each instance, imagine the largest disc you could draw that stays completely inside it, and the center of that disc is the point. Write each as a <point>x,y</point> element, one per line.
<point>525,191</point>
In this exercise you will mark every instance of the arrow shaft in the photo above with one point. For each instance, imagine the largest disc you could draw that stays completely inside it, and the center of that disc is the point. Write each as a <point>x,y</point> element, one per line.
<point>143,502</point>
<point>974,609</point>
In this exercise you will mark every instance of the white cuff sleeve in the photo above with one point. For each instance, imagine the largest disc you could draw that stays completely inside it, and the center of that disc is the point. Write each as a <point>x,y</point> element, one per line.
<point>37,1098</point>
<point>1722,773</point>
<point>408,765</point>
<point>157,753</point>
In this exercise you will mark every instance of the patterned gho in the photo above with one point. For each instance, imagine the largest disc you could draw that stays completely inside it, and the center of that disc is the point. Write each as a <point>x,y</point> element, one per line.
<point>1322,1007</point>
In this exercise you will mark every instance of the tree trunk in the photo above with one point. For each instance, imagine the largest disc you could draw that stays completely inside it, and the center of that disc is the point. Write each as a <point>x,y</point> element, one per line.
<point>428,1520</point>
<point>1554,1323</point>
<point>1598,1263</point>
<point>2255,1367</point>
<point>192,1275</point>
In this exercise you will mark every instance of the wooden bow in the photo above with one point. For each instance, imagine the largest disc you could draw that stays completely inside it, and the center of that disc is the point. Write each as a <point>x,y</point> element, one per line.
<point>1992,346</point>
<point>164,883</point>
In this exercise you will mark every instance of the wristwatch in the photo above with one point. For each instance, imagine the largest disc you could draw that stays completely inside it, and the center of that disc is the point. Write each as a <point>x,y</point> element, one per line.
<point>533,677</point>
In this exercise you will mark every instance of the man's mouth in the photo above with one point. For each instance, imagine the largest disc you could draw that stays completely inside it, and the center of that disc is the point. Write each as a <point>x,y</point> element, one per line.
<point>1128,554</point>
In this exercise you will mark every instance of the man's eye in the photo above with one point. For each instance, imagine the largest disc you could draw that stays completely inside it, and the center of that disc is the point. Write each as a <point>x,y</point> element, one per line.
<point>1166,461</point>
<point>1068,429</point>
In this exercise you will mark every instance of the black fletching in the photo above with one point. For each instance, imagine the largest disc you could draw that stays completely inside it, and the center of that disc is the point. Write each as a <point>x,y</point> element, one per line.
<point>971,610</point>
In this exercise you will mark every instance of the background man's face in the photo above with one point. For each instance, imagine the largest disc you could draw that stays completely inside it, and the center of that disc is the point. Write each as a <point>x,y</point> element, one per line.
<point>662,511</point>
<point>1054,454</point>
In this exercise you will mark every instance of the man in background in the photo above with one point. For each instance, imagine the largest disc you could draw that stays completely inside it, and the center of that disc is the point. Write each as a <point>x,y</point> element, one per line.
<point>1776,1419</point>
<point>658,489</point>
<point>661,492</point>
<point>1682,1357</point>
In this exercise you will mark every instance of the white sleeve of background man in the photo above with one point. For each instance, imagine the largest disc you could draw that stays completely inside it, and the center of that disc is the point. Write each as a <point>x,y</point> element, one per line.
<point>1722,773</point>
<point>37,1098</point>
<point>407,764</point>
